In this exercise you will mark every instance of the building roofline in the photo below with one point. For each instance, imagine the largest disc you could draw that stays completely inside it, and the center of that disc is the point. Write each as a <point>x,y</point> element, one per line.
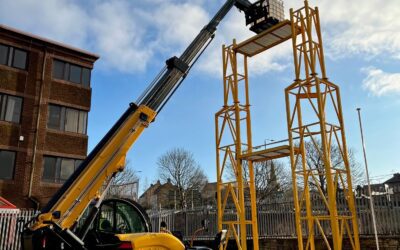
<point>394,179</point>
<point>49,41</point>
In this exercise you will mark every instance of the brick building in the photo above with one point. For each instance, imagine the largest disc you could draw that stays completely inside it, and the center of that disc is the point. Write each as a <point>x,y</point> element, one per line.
<point>394,183</point>
<point>166,196</point>
<point>388,187</point>
<point>159,196</point>
<point>45,98</point>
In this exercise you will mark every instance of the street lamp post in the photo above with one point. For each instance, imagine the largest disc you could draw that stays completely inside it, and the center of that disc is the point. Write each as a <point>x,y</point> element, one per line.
<point>268,140</point>
<point>371,200</point>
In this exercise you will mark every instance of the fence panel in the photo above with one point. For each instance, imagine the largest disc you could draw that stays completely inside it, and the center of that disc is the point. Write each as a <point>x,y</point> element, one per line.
<point>276,219</point>
<point>12,222</point>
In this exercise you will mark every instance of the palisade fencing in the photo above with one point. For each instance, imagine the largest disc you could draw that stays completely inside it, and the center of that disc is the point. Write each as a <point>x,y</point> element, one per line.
<point>12,222</point>
<point>276,220</point>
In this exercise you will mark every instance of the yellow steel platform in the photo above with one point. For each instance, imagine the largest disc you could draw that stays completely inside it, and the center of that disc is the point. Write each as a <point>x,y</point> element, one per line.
<point>269,154</point>
<point>265,40</point>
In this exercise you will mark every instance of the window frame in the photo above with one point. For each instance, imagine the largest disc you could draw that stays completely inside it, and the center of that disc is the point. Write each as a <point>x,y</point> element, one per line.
<point>85,118</point>
<point>86,84</point>
<point>112,207</point>
<point>10,57</point>
<point>71,76</point>
<point>67,73</point>
<point>71,120</point>
<point>4,107</point>
<point>62,67</point>
<point>13,166</point>
<point>13,58</point>
<point>63,119</point>
<point>58,169</point>
<point>65,166</point>
<point>7,54</point>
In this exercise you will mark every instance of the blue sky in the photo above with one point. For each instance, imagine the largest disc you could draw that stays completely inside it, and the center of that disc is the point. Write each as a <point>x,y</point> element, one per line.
<point>134,38</point>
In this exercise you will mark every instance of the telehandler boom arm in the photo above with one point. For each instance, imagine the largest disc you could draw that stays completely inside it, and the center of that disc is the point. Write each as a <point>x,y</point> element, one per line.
<point>85,185</point>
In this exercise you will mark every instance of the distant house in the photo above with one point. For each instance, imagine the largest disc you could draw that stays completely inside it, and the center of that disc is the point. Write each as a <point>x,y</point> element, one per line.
<point>146,198</point>
<point>388,187</point>
<point>209,194</point>
<point>394,183</point>
<point>159,196</point>
<point>166,196</point>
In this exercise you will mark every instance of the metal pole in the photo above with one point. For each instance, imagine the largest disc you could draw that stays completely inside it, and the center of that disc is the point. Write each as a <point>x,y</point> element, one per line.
<point>371,200</point>
<point>137,190</point>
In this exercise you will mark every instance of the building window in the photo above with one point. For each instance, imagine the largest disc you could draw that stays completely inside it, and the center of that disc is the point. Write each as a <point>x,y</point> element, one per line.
<point>67,119</point>
<point>10,108</point>
<point>3,54</point>
<point>13,57</point>
<point>7,160</point>
<point>58,169</point>
<point>71,72</point>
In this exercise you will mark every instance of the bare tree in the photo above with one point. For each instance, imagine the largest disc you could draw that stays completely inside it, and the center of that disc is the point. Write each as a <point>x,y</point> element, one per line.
<point>270,177</point>
<point>315,161</point>
<point>125,184</point>
<point>179,166</point>
<point>145,184</point>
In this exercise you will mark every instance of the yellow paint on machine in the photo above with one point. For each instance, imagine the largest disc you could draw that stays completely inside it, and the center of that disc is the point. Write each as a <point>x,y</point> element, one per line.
<point>152,241</point>
<point>109,160</point>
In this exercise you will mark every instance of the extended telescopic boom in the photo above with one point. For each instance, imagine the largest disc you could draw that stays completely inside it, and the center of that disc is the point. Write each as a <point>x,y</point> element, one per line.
<point>108,157</point>
<point>178,68</point>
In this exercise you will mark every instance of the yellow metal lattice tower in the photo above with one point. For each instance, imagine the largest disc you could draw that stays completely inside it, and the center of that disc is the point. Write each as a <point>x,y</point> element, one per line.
<point>234,149</point>
<point>315,122</point>
<point>229,122</point>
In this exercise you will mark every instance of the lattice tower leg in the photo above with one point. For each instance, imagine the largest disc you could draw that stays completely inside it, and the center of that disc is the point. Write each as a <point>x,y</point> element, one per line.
<point>229,122</point>
<point>315,124</point>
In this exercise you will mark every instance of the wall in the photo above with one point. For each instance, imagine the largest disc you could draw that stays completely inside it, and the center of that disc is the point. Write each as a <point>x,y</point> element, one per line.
<point>28,84</point>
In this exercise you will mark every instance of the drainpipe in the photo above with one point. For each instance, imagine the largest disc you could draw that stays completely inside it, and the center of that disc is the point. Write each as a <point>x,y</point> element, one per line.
<point>35,142</point>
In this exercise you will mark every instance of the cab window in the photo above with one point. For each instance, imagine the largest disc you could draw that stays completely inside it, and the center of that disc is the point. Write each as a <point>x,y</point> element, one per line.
<point>128,220</point>
<point>120,217</point>
<point>106,218</point>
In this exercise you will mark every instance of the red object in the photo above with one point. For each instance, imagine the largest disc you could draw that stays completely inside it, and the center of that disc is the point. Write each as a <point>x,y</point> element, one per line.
<point>125,245</point>
<point>5,204</point>
<point>44,242</point>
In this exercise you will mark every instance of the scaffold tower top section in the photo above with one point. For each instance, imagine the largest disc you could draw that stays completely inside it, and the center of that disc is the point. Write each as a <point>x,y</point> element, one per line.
<point>267,39</point>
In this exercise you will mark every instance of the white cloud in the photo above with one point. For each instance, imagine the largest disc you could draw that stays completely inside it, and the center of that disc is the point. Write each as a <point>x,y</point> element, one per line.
<point>129,35</point>
<point>118,37</point>
<point>367,28</point>
<point>364,28</point>
<point>57,19</point>
<point>381,83</point>
<point>178,24</point>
